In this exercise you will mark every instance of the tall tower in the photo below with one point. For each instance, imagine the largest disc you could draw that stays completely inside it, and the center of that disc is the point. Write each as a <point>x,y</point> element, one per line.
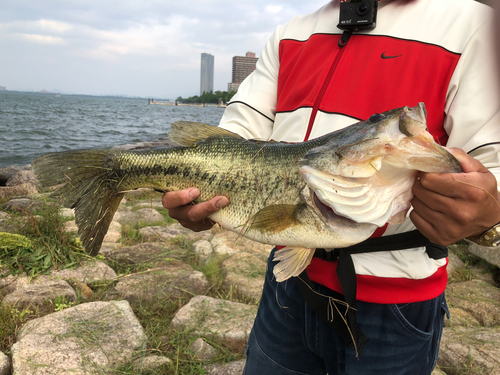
<point>207,73</point>
<point>242,67</point>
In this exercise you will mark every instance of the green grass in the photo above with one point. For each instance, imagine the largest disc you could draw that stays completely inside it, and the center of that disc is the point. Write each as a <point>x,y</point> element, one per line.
<point>11,321</point>
<point>155,317</point>
<point>51,246</point>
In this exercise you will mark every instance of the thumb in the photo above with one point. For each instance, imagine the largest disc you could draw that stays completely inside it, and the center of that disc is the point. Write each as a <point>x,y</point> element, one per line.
<point>467,162</point>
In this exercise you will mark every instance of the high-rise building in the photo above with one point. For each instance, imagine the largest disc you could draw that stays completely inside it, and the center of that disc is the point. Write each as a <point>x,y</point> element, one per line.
<point>207,73</point>
<point>242,67</point>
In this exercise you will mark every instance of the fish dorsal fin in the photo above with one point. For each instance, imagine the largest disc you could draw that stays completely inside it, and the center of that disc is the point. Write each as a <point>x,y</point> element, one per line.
<point>187,133</point>
<point>292,261</point>
<point>275,218</point>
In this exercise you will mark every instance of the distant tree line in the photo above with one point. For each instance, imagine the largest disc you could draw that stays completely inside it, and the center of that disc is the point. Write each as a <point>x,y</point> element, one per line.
<point>208,97</point>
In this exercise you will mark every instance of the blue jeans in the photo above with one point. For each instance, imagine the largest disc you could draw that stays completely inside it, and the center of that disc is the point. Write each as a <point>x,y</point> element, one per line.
<point>289,338</point>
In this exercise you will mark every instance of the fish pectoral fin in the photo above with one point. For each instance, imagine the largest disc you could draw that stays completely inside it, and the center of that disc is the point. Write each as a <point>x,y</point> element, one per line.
<point>292,261</point>
<point>275,218</point>
<point>187,133</point>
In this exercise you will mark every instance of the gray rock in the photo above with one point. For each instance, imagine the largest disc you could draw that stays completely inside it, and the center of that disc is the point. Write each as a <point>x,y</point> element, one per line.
<point>227,242</point>
<point>172,281</point>
<point>22,177</point>
<point>67,213</point>
<point>164,233</point>
<point>203,350</point>
<point>203,249</point>
<point>89,272</point>
<point>18,204</point>
<point>489,254</point>
<point>142,253</point>
<point>246,272</point>
<point>470,351</point>
<point>149,364</point>
<point>455,265</point>
<point>479,300</point>
<point>142,217</point>
<point>70,226</point>
<point>437,371</point>
<point>38,293</point>
<point>5,367</point>
<point>222,246</point>
<point>92,338</point>
<point>8,172</point>
<point>7,284</point>
<point>230,322</point>
<point>233,368</point>
<point>114,232</point>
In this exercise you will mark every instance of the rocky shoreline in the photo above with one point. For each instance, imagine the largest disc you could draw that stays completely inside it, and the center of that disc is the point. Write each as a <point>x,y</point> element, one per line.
<point>93,318</point>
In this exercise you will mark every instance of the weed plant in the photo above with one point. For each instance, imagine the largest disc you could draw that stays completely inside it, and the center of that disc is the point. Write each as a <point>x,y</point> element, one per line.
<point>11,321</point>
<point>51,246</point>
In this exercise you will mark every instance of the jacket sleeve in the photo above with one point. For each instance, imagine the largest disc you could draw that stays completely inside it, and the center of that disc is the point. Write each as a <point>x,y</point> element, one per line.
<point>252,110</point>
<point>473,102</point>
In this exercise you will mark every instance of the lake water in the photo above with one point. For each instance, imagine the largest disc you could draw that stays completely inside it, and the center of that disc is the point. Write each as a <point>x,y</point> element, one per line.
<point>34,124</point>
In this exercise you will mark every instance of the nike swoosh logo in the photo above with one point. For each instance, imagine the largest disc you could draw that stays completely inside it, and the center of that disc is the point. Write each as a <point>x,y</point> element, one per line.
<point>389,57</point>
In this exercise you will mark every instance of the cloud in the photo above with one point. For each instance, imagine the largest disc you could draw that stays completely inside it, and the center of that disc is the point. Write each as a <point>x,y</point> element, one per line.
<point>103,46</point>
<point>41,39</point>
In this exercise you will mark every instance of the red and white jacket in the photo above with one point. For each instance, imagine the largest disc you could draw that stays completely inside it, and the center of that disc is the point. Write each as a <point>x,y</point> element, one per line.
<point>434,51</point>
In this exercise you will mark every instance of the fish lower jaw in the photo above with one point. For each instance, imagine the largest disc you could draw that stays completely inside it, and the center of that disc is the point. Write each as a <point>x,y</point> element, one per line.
<point>327,212</point>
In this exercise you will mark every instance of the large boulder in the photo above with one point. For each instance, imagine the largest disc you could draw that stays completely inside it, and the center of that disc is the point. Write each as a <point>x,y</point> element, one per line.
<point>39,293</point>
<point>489,254</point>
<point>231,368</point>
<point>227,321</point>
<point>22,177</point>
<point>4,364</point>
<point>246,272</point>
<point>17,190</point>
<point>473,303</point>
<point>92,338</point>
<point>7,172</point>
<point>172,281</point>
<point>471,351</point>
<point>142,253</point>
<point>141,217</point>
<point>164,233</point>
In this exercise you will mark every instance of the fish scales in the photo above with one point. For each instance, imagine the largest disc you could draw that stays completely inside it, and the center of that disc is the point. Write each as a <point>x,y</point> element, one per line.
<point>330,192</point>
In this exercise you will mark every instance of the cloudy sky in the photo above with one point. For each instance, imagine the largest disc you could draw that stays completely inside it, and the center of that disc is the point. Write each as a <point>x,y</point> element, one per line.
<point>148,48</point>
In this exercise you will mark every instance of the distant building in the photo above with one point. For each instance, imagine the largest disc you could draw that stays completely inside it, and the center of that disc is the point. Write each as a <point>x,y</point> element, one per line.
<point>242,67</point>
<point>207,73</point>
<point>3,88</point>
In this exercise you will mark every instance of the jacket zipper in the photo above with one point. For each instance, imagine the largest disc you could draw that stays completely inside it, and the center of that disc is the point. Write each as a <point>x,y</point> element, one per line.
<point>342,43</point>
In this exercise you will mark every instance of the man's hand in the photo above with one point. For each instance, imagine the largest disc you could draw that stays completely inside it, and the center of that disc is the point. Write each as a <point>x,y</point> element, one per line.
<point>452,206</point>
<point>192,216</point>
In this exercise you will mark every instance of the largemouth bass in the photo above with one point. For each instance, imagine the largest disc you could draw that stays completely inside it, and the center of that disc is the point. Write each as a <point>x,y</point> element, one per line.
<point>330,192</point>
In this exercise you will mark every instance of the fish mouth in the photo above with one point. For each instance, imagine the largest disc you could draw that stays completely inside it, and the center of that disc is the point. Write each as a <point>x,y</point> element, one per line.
<point>422,153</point>
<point>326,211</point>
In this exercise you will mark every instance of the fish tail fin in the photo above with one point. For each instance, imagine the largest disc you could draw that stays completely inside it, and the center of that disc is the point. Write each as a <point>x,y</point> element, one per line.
<point>87,183</point>
<point>292,261</point>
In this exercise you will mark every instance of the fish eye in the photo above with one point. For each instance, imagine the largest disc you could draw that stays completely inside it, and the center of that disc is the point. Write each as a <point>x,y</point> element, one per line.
<point>376,117</point>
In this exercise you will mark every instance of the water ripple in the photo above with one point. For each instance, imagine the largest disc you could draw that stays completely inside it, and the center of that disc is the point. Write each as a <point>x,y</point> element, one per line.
<point>34,124</point>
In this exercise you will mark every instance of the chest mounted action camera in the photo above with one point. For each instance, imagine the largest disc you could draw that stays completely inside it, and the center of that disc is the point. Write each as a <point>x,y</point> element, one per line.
<point>358,15</point>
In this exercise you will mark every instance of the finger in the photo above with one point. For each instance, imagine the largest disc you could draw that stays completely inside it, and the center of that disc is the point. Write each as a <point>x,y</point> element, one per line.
<point>430,231</point>
<point>429,212</point>
<point>430,200</point>
<point>198,212</point>
<point>173,199</point>
<point>205,224</point>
